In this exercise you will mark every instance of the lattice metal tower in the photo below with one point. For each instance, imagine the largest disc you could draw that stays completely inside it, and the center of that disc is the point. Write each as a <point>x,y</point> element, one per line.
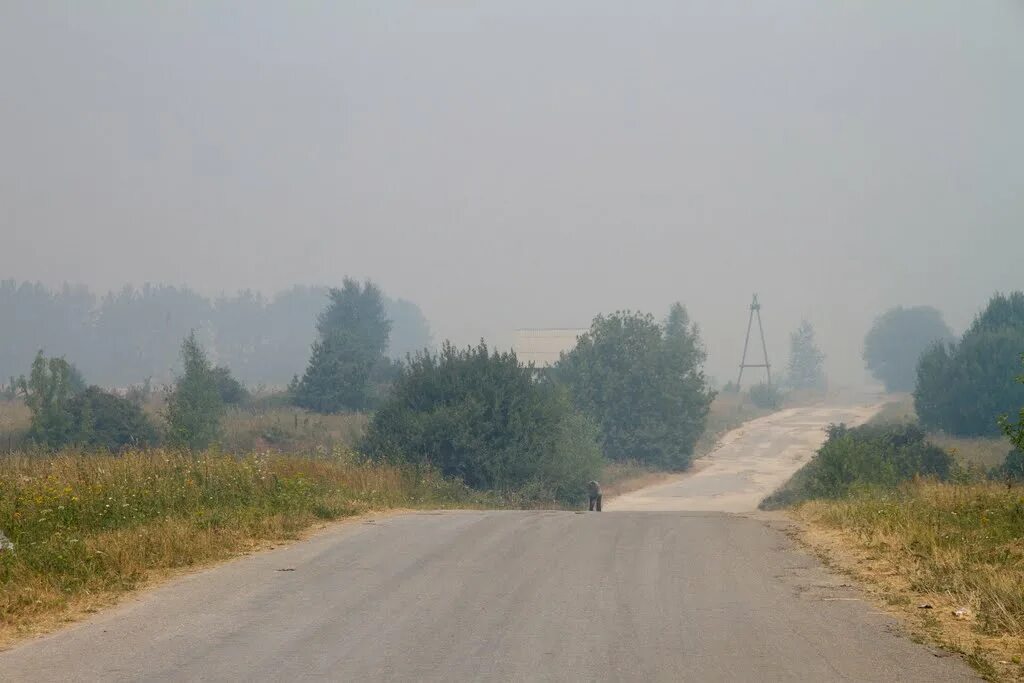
<point>755,309</point>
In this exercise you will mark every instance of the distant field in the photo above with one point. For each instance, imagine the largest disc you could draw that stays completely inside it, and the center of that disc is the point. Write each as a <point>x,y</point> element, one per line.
<point>257,427</point>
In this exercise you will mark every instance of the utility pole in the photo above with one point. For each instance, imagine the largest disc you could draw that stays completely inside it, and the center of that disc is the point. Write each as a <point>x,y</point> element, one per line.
<point>755,309</point>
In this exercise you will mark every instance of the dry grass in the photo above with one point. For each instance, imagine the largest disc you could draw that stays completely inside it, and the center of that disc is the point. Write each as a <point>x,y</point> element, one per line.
<point>951,546</point>
<point>14,422</point>
<point>979,454</point>
<point>900,410</point>
<point>88,527</point>
<point>290,430</point>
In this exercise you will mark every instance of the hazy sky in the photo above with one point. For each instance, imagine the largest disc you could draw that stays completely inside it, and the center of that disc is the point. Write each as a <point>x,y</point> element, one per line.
<point>526,164</point>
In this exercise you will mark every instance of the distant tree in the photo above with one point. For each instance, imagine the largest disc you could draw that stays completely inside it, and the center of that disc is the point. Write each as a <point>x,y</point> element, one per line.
<point>643,383</point>
<point>194,407</point>
<point>353,334</point>
<point>962,388</point>
<point>138,331</point>
<point>106,421</point>
<point>482,417</point>
<point>897,340</point>
<point>48,391</point>
<point>34,317</point>
<point>410,331</point>
<point>232,392</point>
<point>805,359</point>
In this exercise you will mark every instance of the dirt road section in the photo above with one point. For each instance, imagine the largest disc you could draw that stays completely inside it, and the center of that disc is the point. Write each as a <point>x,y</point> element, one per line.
<point>748,464</point>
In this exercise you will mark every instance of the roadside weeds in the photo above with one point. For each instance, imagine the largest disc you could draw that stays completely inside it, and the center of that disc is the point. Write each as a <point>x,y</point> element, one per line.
<point>890,576</point>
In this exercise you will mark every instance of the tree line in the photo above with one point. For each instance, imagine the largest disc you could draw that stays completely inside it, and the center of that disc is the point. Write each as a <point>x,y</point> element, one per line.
<point>633,389</point>
<point>962,385</point>
<point>129,335</point>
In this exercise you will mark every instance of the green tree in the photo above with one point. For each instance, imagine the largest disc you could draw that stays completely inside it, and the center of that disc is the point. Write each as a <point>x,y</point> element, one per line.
<point>896,341</point>
<point>962,387</point>
<point>644,385</point>
<point>353,332</point>
<point>48,391</point>
<point>805,359</point>
<point>194,407</point>
<point>482,417</point>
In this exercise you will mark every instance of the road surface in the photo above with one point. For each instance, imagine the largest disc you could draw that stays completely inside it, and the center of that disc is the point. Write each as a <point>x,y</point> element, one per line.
<point>502,596</point>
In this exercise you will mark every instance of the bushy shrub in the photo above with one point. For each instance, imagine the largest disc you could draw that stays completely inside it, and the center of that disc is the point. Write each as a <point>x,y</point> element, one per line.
<point>866,456</point>
<point>106,421</point>
<point>232,392</point>
<point>765,396</point>
<point>1012,469</point>
<point>963,388</point>
<point>483,418</point>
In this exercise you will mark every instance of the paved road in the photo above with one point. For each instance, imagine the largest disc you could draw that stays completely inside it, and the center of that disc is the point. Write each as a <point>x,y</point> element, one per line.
<point>497,596</point>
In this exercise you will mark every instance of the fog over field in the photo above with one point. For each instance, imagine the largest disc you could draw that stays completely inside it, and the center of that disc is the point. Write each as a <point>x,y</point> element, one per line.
<point>526,164</point>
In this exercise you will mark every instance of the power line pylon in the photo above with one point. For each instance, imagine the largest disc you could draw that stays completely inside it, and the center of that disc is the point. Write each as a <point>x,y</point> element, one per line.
<point>755,309</point>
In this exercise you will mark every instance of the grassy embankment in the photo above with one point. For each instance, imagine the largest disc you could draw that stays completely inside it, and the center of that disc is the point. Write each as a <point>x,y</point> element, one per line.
<point>88,527</point>
<point>957,546</point>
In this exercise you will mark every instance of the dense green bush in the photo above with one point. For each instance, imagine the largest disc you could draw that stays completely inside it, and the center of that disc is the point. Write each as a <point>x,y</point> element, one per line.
<point>232,392</point>
<point>765,396</point>
<point>106,421</point>
<point>644,385</point>
<point>1012,468</point>
<point>866,456</point>
<point>963,388</point>
<point>896,341</point>
<point>485,419</point>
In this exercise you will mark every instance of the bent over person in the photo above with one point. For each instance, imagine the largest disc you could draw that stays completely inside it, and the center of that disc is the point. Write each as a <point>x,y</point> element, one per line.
<point>594,491</point>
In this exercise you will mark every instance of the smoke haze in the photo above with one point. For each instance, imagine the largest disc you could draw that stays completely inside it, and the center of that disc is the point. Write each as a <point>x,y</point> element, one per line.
<point>526,164</point>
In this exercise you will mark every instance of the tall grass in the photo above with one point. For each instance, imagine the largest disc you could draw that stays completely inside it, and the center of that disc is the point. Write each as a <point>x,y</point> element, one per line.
<point>85,525</point>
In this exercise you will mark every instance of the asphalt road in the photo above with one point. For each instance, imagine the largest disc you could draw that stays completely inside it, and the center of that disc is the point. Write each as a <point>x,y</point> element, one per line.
<point>501,596</point>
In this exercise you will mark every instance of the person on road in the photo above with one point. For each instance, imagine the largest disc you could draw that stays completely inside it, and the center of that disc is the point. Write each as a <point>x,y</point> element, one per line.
<point>594,492</point>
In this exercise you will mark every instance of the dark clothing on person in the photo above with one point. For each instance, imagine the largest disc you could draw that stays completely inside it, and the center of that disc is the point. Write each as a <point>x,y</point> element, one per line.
<point>594,493</point>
